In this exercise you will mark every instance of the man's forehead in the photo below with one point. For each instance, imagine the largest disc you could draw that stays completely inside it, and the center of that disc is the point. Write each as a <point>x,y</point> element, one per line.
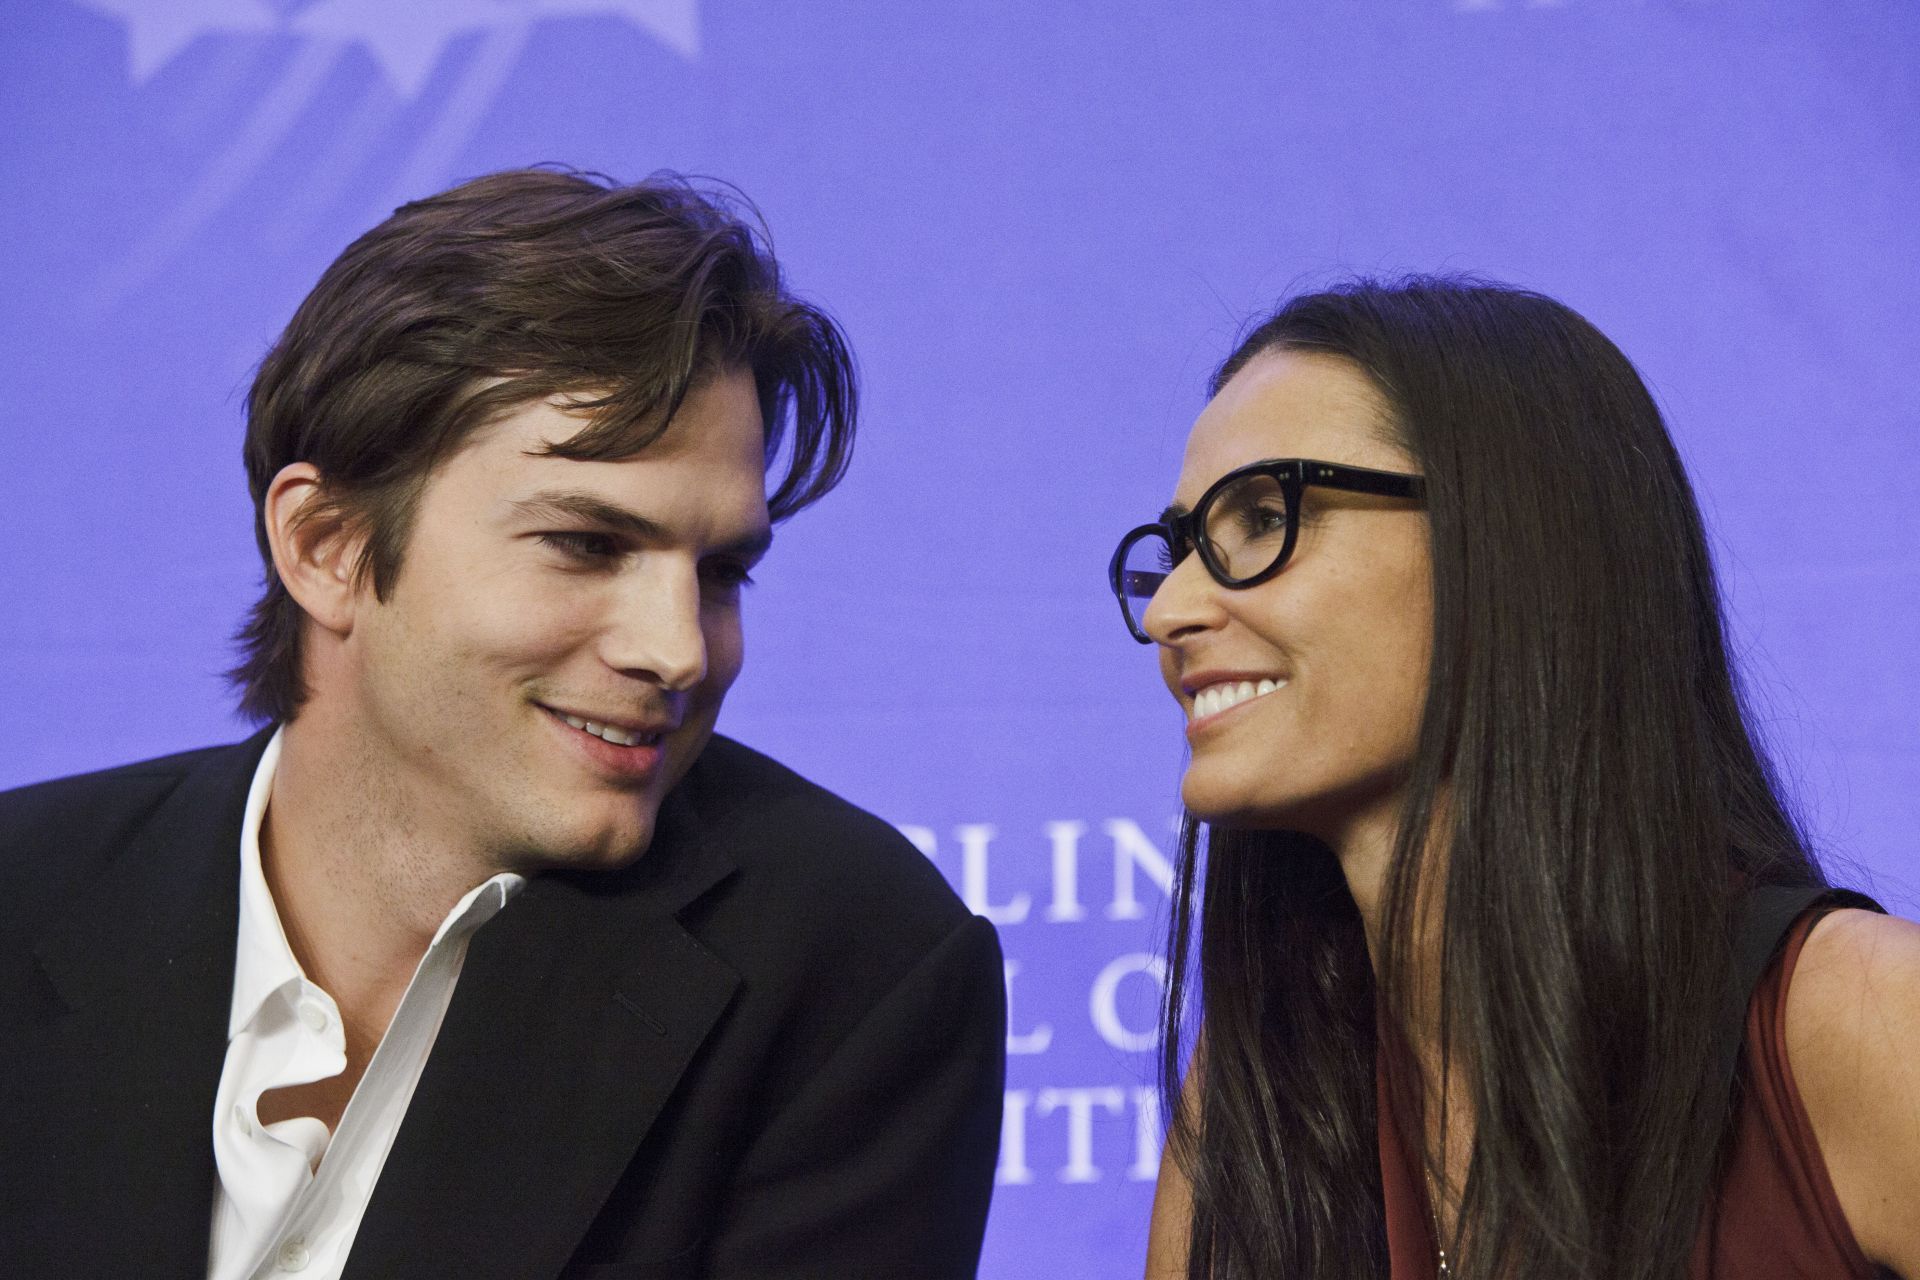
<point>562,429</point>
<point>596,423</point>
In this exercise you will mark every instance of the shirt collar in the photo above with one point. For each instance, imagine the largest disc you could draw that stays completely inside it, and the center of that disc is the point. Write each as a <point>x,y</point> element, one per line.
<point>264,964</point>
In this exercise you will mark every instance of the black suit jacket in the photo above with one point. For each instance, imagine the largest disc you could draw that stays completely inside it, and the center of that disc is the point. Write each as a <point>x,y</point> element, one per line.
<point>772,1047</point>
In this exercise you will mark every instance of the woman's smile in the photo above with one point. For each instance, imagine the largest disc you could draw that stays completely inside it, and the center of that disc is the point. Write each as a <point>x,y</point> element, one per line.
<point>1217,697</point>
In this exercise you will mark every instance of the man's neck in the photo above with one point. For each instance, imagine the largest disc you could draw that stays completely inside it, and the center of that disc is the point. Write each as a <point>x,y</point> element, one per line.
<point>358,878</point>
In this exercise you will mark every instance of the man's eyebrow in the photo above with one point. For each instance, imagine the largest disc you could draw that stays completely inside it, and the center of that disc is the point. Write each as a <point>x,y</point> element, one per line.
<point>559,504</point>
<point>566,504</point>
<point>751,547</point>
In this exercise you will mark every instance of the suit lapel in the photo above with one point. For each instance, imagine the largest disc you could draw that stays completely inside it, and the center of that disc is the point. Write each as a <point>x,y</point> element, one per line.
<point>577,1011</point>
<point>126,1079</point>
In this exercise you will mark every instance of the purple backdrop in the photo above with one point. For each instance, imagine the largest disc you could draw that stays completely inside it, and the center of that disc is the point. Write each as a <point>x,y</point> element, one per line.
<point>1041,226</point>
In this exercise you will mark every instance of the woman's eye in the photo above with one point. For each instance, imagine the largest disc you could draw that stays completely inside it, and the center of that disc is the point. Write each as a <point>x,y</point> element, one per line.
<point>582,546</point>
<point>1263,521</point>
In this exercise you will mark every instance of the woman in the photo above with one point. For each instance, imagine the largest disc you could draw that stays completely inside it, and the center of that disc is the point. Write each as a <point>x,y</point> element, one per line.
<point>1511,961</point>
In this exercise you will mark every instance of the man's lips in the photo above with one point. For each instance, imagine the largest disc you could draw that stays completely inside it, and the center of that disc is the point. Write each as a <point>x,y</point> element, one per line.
<point>621,731</point>
<point>616,752</point>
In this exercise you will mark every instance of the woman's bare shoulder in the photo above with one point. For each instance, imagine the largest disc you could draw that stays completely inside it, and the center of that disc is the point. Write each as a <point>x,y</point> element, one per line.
<point>1853,1041</point>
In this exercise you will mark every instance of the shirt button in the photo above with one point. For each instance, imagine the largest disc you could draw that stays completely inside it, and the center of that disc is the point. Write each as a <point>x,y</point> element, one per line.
<point>294,1256</point>
<point>314,1015</point>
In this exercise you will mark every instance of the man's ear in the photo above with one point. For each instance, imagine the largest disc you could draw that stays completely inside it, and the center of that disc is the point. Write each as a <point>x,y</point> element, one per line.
<point>314,551</point>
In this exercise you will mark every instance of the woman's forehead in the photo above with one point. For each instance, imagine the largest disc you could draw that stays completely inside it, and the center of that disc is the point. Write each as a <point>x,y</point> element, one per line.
<point>1289,404</point>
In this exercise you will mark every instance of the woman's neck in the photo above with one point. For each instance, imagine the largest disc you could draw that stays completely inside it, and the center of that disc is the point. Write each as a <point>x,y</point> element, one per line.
<point>1364,844</point>
<point>1365,849</point>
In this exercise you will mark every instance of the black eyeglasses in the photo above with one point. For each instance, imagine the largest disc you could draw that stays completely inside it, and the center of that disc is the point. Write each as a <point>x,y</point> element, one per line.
<point>1244,528</point>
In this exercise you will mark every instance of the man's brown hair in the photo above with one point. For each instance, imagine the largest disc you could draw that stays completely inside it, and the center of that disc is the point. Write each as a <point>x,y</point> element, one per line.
<point>505,290</point>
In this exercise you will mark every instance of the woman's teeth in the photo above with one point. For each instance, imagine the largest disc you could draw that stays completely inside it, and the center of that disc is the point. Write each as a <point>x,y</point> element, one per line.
<point>619,737</point>
<point>1216,698</point>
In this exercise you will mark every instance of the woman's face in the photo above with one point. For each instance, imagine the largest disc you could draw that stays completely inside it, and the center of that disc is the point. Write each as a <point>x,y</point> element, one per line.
<point>1342,633</point>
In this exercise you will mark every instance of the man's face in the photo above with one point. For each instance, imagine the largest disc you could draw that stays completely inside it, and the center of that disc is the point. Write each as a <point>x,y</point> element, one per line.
<point>557,644</point>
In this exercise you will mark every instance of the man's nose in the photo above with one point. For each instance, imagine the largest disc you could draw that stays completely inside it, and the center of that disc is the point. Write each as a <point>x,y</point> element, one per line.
<point>654,631</point>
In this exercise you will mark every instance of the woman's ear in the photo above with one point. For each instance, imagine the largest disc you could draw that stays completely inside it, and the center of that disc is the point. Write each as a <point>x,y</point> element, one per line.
<point>314,549</point>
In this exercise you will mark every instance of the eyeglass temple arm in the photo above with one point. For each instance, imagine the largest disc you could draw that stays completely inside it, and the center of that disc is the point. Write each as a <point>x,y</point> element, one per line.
<point>1387,484</point>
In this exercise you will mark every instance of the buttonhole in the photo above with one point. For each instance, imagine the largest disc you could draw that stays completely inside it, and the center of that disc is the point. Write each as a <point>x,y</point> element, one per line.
<point>634,1007</point>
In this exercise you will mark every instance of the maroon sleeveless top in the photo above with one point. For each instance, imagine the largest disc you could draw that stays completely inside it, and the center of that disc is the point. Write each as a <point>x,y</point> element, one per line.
<point>1773,1216</point>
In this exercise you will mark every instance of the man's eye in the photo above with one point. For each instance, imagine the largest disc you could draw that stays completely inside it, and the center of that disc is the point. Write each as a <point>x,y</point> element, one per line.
<point>582,546</point>
<point>728,575</point>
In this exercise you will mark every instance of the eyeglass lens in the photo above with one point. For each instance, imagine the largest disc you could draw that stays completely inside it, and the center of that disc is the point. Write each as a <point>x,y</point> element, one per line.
<point>1147,563</point>
<point>1245,525</point>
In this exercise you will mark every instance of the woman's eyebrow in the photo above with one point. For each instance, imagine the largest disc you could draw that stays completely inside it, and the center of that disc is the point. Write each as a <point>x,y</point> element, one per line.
<point>1173,512</point>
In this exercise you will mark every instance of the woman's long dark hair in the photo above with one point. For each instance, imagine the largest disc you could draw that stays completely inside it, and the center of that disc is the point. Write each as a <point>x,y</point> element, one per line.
<point>1604,801</point>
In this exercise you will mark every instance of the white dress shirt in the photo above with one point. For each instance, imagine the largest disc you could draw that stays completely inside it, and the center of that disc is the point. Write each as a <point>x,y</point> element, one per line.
<point>280,1208</point>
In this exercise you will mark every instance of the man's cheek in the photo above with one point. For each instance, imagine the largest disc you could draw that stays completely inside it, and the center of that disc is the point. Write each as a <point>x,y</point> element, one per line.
<point>726,654</point>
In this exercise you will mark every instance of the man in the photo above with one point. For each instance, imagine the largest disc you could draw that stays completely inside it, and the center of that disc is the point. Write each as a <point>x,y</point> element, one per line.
<point>485,958</point>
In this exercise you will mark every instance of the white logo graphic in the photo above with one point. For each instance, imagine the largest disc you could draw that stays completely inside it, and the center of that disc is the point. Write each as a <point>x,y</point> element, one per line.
<point>405,39</point>
<point>407,42</point>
